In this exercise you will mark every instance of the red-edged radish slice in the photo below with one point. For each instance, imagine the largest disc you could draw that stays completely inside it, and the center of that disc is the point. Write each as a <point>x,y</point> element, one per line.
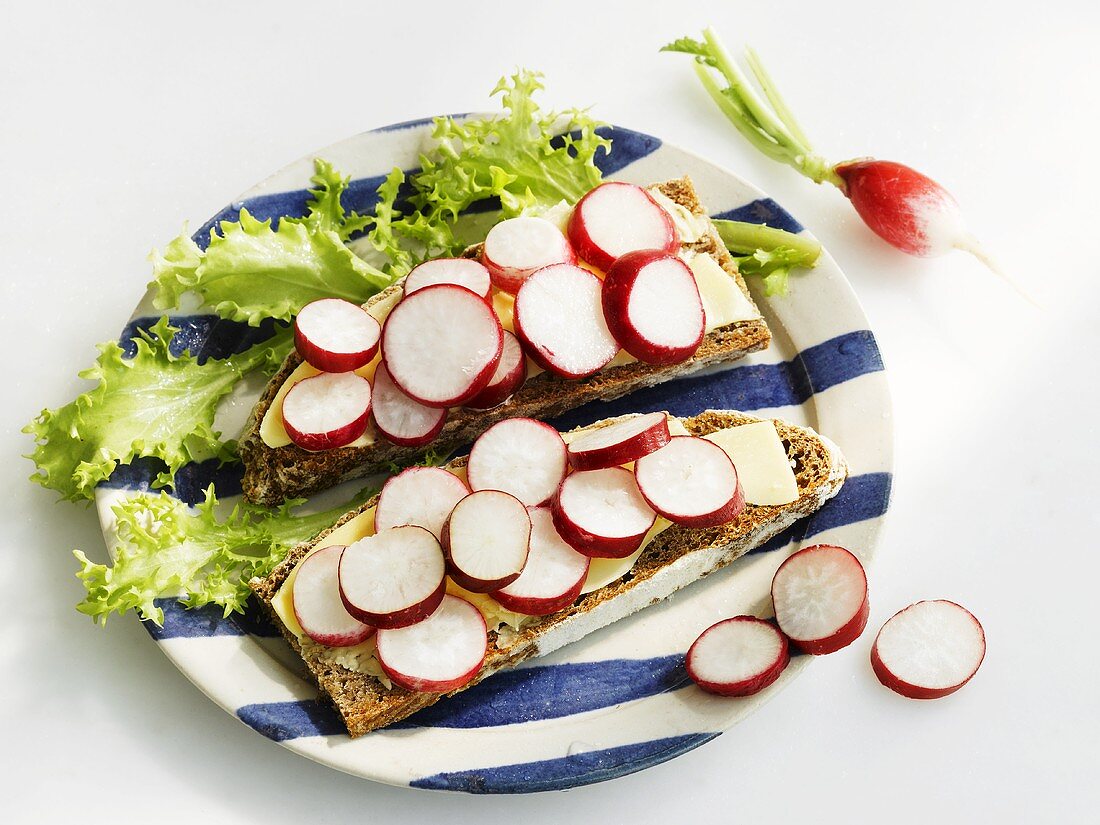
<point>461,271</point>
<point>616,218</point>
<point>928,650</point>
<point>422,496</point>
<point>400,419</point>
<point>441,345</point>
<point>601,513</point>
<point>620,443</point>
<point>393,578</point>
<point>486,539</point>
<point>520,456</point>
<point>334,335</point>
<point>516,247</point>
<point>652,306</point>
<point>439,654</point>
<point>737,657</point>
<point>317,604</point>
<point>327,411</point>
<point>559,318</point>
<point>553,576</point>
<point>820,598</point>
<point>509,376</point>
<point>691,481</point>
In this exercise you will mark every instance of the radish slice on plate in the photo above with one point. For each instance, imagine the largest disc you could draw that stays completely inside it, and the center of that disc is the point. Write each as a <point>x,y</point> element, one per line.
<point>516,247</point>
<point>559,318</point>
<point>691,481</point>
<point>317,604</point>
<point>737,657</point>
<point>616,218</point>
<point>486,539</point>
<point>652,306</point>
<point>401,420</point>
<point>394,578</point>
<point>439,654</point>
<point>327,411</point>
<point>520,456</point>
<point>820,598</point>
<point>422,496</point>
<point>334,335</point>
<point>620,443</point>
<point>928,650</point>
<point>460,271</point>
<point>510,374</point>
<point>601,513</point>
<point>441,345</point>
<point>553,576</point>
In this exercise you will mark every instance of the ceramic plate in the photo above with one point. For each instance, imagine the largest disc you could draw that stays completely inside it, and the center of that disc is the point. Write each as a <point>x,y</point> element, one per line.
<point>619,700</point>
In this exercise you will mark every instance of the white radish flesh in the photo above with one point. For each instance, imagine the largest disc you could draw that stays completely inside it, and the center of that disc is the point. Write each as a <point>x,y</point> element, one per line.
<point>601,513</point>
<point>559,318</point>
<point>520,456</point>
<point>317,604</point>
<point>553,576</point>
<point>620,443</point>
<point>737,657</point>
<point>510,374</point>
<point>422,496</point>
<point>441,345</point>
<point>820,598</point>
<point>327,411</point>
<point>334,335</point>
<point>691,481</point>
<point>516,247</point>
<point>439,654</point>
<point>486,540</point>
<point>460,271</point>
<point>653,308</point>
<point>616,218</point>
<point>400,419</point>
<point>393,578</point>
<point>928,650</point>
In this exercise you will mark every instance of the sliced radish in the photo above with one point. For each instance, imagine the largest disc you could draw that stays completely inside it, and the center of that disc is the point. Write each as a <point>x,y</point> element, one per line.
<point>393,578</point>
<point>620,443</point>
<point>510,374</point>
<point>520,456</point>
<point>400,419</point>
<point>691,481</point>
<point>559,318</point>
<point>737,657</point>
<point>652,306</point>
<point>516,247</point>
<point>317,604</point>
<point>422,496</point>
<point>461,271</point>
<point>820,598</point>
<point>616,218</point>
<point>928,650</point>
<point>439,654</point>
<point>601,513</point>
<point>553,576</point>
<point>486,539</point>
<point>327,411</point>
<point>441,345</point>
<point>335,335</point>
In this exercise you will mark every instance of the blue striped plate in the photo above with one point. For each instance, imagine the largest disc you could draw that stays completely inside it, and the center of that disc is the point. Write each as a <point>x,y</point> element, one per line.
<point>619,700</point>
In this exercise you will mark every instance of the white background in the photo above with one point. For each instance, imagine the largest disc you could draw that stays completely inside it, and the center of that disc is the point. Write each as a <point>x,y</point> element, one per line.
<point>118,122</point>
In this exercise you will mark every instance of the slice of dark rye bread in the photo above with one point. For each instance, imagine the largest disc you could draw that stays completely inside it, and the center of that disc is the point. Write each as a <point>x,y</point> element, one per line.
<point>274,474</point>
<point>675,558</point>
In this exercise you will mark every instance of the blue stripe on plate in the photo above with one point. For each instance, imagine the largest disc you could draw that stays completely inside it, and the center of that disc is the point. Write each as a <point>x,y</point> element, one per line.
<point>765,211</point>
<point>567,771</point>
<point>293,720</point>
<point>190,483</point>
<point>181,622</point>
<point>204,336</point>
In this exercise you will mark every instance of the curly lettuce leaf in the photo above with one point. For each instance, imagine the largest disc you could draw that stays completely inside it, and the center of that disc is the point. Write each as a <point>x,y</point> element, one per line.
<point>768,252</point>
<point>326,211</point>
<point>169,550</point>
<point>155,404</point>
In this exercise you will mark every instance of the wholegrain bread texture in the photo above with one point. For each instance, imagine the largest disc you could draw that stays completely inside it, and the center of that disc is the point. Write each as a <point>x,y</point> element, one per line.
<point>677,557</point>
<point>274,474</point>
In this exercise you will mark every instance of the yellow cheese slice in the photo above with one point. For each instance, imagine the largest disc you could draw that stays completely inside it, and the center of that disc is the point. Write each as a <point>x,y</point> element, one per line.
<point>723,301</point>
<point>761,461</point>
